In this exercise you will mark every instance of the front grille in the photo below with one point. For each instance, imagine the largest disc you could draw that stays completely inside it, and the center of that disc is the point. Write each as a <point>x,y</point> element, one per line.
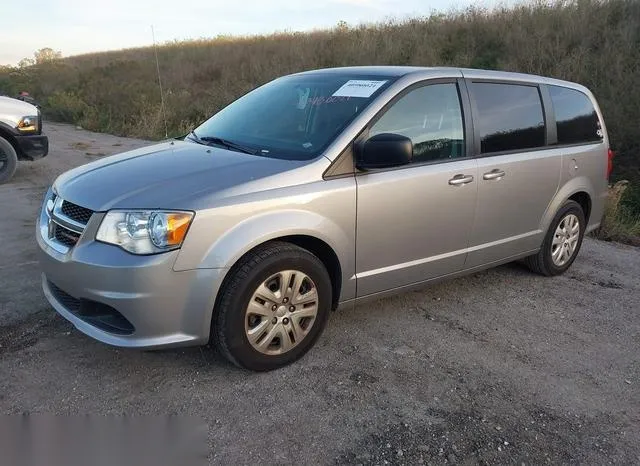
<point>65,223</point>
<point>65,236</point>
<point>75,212</point>
<point>69,302</point>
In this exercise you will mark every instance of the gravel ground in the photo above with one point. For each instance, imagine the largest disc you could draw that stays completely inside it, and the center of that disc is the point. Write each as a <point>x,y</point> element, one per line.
<point>498,367</point>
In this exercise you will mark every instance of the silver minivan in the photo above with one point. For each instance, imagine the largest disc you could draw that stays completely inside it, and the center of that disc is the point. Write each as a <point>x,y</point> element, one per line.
<point>318,190</point>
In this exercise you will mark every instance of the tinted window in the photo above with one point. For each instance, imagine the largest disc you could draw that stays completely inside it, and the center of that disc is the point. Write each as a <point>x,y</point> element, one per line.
<point>576,119</point>
<point>509,116</point>
<point>432,118</point>
<point>295,117</point>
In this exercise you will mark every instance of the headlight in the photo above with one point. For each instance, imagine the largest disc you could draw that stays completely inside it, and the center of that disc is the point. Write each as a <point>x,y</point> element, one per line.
<point>28,124</point>
<point>145,232</point>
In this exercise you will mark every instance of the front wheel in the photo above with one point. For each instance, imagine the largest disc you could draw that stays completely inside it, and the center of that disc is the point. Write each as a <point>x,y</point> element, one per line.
<point>272,308</point>
<point>8,160</point>
<point>561,243</point>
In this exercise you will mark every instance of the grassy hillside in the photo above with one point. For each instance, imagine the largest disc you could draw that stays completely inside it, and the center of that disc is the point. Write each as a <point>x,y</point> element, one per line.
<point>596,43</point>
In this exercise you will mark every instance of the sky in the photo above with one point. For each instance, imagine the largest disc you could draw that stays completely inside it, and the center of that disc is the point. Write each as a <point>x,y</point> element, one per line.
<point>81,26</point>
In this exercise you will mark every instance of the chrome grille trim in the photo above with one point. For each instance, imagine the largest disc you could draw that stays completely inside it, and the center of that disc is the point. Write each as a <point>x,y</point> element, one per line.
<point>55,224</point>
<point>63,220</point>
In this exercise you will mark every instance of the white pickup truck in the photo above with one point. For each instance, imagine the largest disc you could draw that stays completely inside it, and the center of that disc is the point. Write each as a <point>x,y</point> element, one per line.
<point>21,135</point>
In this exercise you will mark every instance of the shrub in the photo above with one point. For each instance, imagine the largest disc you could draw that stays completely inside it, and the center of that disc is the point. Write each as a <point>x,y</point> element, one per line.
<point>621,221</point>
<point>65,106</point>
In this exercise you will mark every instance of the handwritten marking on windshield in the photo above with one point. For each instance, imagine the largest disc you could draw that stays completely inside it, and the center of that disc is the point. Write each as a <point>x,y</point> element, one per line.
<point>320,100</point>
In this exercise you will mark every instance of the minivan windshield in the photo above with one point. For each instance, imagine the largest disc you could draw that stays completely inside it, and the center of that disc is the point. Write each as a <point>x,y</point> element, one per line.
<point>294,117</point>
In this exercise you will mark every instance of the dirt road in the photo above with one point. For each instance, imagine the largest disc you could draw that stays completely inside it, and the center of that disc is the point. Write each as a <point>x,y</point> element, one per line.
<point>499,367</point>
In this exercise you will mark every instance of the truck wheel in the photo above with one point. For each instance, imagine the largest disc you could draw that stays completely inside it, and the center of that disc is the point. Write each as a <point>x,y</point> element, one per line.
<point>562,242</point>
<point>272,307</point>
<point>8,160</point>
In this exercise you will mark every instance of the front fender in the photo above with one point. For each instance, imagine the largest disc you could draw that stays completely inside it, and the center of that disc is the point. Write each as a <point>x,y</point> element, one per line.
<point>257,230</point>
<point>230,246</point>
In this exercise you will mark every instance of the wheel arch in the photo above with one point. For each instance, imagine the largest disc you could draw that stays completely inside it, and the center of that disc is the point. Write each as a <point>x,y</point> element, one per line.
<point>583,198</point>
<point>579,189</point>
<point>319,248</point>
<point>327,256</point>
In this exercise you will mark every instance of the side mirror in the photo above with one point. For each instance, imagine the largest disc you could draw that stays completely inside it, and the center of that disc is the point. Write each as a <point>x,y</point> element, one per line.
<point>383,151</point>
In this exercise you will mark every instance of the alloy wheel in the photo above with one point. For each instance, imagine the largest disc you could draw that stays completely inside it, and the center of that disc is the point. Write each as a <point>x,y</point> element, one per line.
<point>565,240</point>
<point>281,312</point>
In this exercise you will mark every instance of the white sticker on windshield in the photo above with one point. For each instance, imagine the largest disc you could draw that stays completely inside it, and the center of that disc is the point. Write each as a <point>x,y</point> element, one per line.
<point>358,88</point>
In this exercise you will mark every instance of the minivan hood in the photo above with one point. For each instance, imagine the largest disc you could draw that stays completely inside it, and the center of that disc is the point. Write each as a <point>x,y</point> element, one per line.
<point>168,175</point>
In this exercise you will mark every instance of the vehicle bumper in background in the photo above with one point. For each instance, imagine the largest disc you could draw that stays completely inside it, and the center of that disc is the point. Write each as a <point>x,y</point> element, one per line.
<point>127,300</point>
<point>32,146</point>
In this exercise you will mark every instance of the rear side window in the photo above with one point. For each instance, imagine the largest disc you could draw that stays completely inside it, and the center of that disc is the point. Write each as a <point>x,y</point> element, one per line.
<point>509,116</point>
<point>576,119</point>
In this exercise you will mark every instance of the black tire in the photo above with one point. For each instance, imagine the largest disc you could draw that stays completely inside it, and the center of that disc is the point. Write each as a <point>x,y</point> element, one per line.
<point>8,160</point>
<point>542,262</point>
<point>228,323</point>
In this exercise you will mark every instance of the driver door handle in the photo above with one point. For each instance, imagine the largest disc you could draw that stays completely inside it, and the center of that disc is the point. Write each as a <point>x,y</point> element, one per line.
<point>459,180</point>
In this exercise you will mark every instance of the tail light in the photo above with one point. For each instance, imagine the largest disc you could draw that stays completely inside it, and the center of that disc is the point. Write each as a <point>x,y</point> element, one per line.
<point>610,155</point>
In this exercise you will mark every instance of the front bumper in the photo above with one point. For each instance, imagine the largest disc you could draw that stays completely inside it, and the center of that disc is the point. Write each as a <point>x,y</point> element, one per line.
<point>163,308</point>
<point>32,146</point>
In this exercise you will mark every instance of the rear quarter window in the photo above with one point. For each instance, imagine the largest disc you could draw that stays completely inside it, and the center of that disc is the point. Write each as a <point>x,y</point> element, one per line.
<point>576,118</point>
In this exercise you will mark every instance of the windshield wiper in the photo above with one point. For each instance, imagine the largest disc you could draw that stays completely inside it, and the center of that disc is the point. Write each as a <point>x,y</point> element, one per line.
<point>222,142</point>
<point>207,140</point>
<point>229,144</point>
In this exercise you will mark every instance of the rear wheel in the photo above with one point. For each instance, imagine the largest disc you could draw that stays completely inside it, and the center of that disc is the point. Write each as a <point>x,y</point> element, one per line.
<point>562,242</point>
<point>272,308</point>
<point>8,160</point>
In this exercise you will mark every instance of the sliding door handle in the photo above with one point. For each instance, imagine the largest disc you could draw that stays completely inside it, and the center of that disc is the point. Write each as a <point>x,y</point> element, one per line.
<point>495,174</point>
